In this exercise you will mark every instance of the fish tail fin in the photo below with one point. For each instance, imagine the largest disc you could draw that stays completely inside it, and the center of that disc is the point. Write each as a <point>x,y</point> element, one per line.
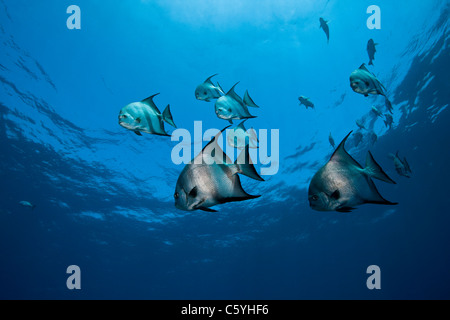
<point>374,170</point>
<point>248,101</point>
<point>370,63</point>
<point>245,166</point>
<point>167,116</point>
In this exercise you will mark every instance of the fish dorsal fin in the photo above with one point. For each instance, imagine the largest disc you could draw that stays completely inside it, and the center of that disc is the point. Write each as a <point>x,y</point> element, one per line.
<point>212,153</point>
<point>209,79</point>
<point>363,67</point>
<point>149,101</point>
<point>231,93</point>
<point>341,155</point>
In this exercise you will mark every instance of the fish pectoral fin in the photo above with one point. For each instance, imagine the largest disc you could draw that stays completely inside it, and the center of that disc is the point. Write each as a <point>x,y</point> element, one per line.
<point>200,206</point>
<point>193,193</point>
<point>336,195</point>
<point>138,120</point>
<point>138,132</point>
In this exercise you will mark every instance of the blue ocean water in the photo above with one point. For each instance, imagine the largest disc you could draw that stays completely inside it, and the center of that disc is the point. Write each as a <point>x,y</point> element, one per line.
<point>104,196</point>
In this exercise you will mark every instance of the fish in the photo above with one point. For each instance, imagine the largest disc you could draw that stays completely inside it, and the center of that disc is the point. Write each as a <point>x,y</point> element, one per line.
<point>326,29</point>
<point>357,138</point>
<point>401,166</point>
<point>388,105</point>
<point>144,116</point>
<point>360,124</point>
<point>232,107</point>
<point>212,179</point>
<point>331,140</point>
<point>241,137</point>
<point>343,184</point>
<point>373,137</point>
<point>364,82</point>
<point>306,102</point>
<point>27,204</point>
<point>377,112</point>
<point>371,49</point>
<point>389,120</point>
<point>208,90</point>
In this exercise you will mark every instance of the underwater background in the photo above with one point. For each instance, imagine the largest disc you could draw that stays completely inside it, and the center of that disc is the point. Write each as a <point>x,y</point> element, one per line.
<point>104,196</point>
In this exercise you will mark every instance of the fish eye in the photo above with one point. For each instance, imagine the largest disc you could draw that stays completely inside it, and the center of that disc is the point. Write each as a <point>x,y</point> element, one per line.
<point>315,197</point>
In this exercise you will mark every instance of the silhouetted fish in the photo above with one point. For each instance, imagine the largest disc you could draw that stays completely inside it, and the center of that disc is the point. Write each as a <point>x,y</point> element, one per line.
<point>145,116</point>
<point>371,51</point>
<point>231,106</point>
<point>207,90</point>
<point>326,29</point>
<point>211,179</point>
<point>343,184</point>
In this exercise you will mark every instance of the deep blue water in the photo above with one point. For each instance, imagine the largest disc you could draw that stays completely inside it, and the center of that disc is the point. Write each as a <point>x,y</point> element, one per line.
<point>104,196</point>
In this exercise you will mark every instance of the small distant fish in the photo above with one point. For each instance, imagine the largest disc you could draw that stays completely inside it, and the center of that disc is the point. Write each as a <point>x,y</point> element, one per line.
<point>342,184</point>
<point>364,82</point>
<point>357,138</point>
<point>326,29</point>
<point>208,90</point>
<point>212,179</point>
<point>232,107</point>
<point>27,204</point>
<point>377,112</point>
<point>331,140</point>
<point>242,137</point>
<point>371,51</point>
<point>145,116</point>
<point>389,120</point>
<point>360,124</point>
<point>401,166</point>
<point>306,102</point>
<point>373,137</point>
<point>388,105</point>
